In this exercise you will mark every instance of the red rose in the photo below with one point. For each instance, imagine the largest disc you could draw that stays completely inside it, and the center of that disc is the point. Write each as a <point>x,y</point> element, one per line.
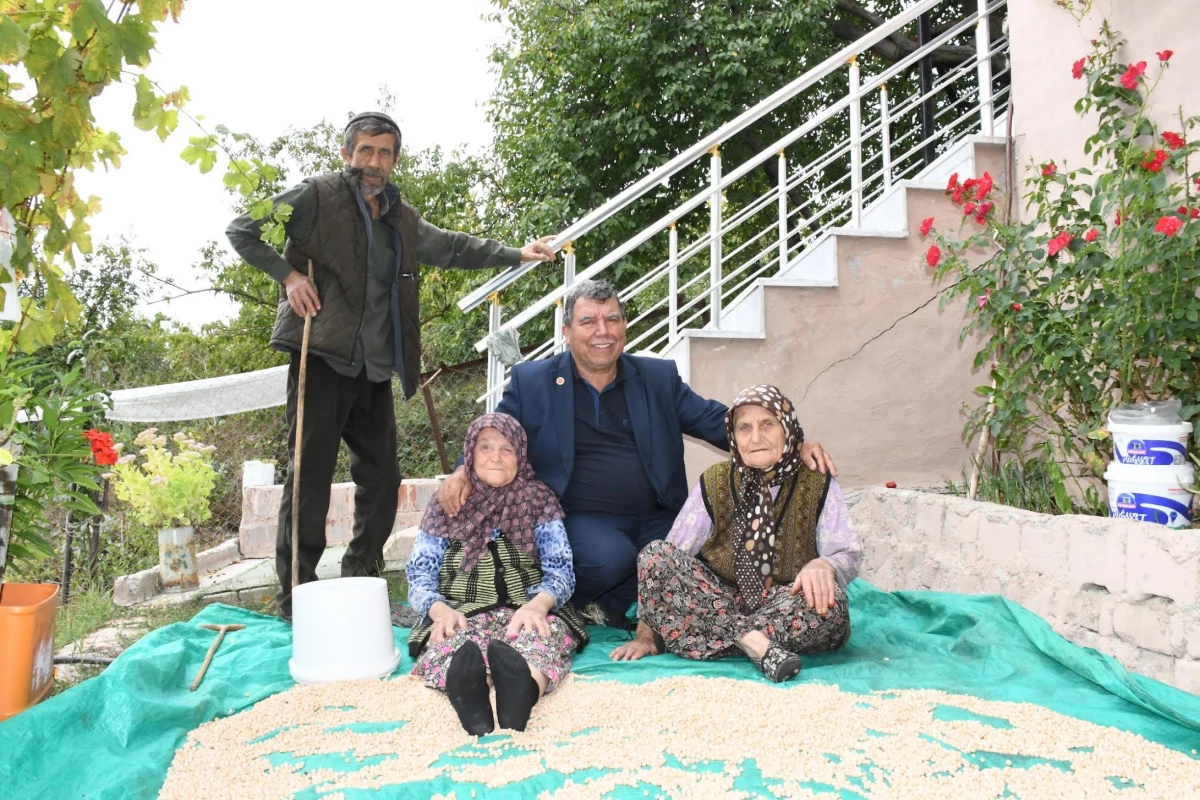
<point>890,484</point>
<point>1059,242</point>
<point>983,210</point>
<point>1091,235</point>
<point>933,256</point>
<point>926,226</point>
<point>1173,140</point>
<point>1168,225</point>
<point>1049,168</point>
<point>958,195</point>
<point>1155,164</point>
<point>953,182</point>
<point>1182,210</point>
<point>1077,68</point>
<point>1130,79</point>
<point>1165,55</point>
<point>1118,222</point>
<point>1016,306</point>
<point>105,456</point>
<point>1194,213</point>
<point>969,208</point>
<point>983,187</point>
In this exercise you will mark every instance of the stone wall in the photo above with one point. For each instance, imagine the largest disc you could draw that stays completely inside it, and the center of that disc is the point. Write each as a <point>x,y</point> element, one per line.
<point>1128,589</point>
<point>260,513</point>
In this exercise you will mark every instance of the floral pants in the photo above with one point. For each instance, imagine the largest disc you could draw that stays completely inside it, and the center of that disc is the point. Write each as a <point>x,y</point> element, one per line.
<point>549,655</point>
<point>700,616</point>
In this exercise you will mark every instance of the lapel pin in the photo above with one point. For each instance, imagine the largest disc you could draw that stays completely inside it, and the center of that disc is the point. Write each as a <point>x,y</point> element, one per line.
<point>560,380</point>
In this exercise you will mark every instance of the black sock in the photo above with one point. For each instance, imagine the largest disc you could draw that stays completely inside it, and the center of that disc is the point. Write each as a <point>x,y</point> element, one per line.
<point>516,690</point>
<point>467,688</point>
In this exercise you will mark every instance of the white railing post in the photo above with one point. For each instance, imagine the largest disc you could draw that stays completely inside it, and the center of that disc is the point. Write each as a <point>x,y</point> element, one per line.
<point>495,367</point>
<point>783,248</point>
<point>983,47</point>
<point>672,286</point>
<point>855,146</point>
<point>568,279</point>
<point>885,126</point>
<point>714,234</point>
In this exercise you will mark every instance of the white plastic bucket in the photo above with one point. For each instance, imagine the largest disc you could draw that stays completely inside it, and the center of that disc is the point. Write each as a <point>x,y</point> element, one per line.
<point>1150,494</point>
<point>1150,445</point>
<point>342,631</point>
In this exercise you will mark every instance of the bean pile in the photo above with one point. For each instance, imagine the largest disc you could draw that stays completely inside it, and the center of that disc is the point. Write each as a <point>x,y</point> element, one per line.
<point>662,739</point>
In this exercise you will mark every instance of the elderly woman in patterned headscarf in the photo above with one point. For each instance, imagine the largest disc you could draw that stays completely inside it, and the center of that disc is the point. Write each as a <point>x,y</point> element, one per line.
<point>492,584</point>
<point>759,556</point>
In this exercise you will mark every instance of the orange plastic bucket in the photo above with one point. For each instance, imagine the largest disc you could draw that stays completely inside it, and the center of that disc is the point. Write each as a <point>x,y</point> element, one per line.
<point>26,645</point>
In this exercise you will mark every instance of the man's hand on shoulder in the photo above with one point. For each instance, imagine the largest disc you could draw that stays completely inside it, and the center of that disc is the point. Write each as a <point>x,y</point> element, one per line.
<point>454,491</point>
<point>302,295</point>
<point>816,459</point>
<point>538,251</point>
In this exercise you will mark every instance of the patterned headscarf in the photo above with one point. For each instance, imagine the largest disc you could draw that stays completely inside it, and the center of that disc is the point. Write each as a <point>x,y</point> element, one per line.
<point>754,509</point>
<point>516,509</point>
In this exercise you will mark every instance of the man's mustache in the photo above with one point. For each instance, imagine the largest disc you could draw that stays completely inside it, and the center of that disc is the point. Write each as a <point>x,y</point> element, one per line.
<point>370,171</point>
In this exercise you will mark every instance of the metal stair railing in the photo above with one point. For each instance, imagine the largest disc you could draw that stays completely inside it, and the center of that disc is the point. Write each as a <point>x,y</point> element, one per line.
<point>679,292</point>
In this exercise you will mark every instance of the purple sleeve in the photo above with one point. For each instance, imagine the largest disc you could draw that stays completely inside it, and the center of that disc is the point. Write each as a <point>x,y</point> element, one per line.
<point>693,526</point>
<point>837,542</point>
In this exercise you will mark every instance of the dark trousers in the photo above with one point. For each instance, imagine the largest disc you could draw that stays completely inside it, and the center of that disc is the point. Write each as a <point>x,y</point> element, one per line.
<point>362,414</point>
<point>606,548</point>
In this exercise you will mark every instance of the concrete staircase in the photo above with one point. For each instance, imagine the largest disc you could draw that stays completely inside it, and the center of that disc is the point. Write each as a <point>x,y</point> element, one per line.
<point>852,330</point>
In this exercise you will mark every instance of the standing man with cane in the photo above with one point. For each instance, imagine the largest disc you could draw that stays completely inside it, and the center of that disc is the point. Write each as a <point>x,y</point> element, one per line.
<point>365,245</point>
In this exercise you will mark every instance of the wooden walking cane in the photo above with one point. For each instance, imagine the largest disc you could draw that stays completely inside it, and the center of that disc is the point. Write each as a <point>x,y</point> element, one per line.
<point>297,449</point>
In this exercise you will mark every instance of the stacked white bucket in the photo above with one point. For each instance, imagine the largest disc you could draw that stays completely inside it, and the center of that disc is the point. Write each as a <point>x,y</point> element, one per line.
<point>1149,473</point>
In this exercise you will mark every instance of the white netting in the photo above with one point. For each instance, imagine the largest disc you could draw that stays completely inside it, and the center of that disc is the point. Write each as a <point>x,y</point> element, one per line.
<point>202,399</point>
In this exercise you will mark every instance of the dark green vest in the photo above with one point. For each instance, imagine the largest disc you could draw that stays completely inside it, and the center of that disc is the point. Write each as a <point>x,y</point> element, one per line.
<point>338,249</point>
<point>797,509</point>
<point>485,588</point>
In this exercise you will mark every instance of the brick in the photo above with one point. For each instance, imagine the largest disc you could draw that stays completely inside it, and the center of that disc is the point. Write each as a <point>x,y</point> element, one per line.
<point>259,597</point>
<point>1190,622</point>
<point>218,557</point>
<point>132,589</point>
<point>1044,548</point>
<point>959,529</point>
<point>399,545</point>
<point>229,598</point>
<point>931,516</point>
<point>1095,553</point>
<point>1163,563</point>
<point>406,497</point>
<point>257,540</point>
<point>1001,543</point>
<point>1146,625</point>
<point>1187,676</point>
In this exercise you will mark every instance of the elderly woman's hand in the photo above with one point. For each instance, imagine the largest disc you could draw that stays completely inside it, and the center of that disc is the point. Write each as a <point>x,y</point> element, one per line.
<point>816,459</point>
<point>818,581</point>
<point>642,646</point>
<point>446,622</point>
<point>532,616</point>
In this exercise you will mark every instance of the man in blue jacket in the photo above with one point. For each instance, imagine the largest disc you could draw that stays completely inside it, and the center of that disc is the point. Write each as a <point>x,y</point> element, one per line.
<point>606,434</point>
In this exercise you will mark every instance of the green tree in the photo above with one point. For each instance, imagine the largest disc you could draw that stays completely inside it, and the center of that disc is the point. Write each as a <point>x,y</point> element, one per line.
<point>59,56</point>
<point>592,96</point>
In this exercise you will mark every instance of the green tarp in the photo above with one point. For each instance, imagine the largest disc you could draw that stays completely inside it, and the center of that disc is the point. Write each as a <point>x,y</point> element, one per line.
<point>114,735</point>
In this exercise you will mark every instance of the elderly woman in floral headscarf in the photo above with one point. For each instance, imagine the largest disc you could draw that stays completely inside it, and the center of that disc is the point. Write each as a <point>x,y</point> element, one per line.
<point>759,556</point>
<point>492,584</point>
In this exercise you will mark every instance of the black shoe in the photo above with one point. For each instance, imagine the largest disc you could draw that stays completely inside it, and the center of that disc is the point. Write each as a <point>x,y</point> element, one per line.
<point>467,688</point>
<point>516,690</point>
<point>777,664</point>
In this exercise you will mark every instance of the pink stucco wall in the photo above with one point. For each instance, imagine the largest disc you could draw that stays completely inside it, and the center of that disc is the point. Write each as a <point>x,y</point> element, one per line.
<point>1046,40</point>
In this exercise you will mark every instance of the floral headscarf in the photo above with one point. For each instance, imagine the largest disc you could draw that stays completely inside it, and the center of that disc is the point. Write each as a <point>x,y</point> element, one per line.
<point>515,509</point>
<point>754,509</point>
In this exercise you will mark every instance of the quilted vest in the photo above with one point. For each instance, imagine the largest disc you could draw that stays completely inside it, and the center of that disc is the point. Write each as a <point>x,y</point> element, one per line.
<point>337,246</point>
<point>797,509</point>
<point>503,577</point>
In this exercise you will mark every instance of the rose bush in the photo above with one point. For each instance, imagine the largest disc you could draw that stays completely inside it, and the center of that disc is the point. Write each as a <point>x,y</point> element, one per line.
<point>1094,299</point>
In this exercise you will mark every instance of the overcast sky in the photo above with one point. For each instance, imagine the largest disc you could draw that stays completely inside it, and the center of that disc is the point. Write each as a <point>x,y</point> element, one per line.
<point>264,66</point>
